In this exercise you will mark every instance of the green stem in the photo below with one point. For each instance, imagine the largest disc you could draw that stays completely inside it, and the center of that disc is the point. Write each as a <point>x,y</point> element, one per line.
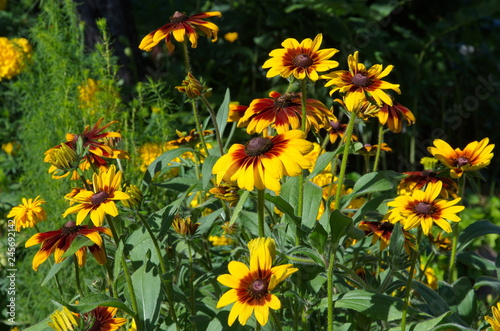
<point>260,212</point>
<point>303,100</point>
<point>414,256</point>
<point>329,281</point>
<point>379,146</point>
<point>109,274</point>
<point>185,52</point>
<point>191,286</point>
<point>77,278</point>
<point>343,166</point>
<point>454,242</point>
<point>276,320</point>
<point>214,122</point>
<point>198,126</point>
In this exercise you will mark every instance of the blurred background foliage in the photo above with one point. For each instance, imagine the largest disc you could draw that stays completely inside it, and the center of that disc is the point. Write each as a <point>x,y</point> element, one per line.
<point>446,57</point>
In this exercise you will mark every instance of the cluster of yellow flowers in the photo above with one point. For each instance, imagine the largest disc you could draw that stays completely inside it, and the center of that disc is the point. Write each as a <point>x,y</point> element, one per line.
<point>14,55</point>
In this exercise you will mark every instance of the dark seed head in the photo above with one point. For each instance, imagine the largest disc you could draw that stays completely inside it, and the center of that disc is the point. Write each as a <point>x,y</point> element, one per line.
<point>360,80</point>
<point>70,228</point>
<point>258,146</point>
<point>99,198</point>
<point>423,208</point>
<point>336,126</point>
<point>178,17</point>
<point>259,288</point>
<point>285,100</point>
<point>462,161</point>
<point>302,60</point>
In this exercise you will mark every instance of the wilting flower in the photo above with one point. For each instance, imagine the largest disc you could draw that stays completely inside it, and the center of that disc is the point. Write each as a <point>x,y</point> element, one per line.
<point>226,192</point>
<point>262,162</point>
<point>337,130</point>
<point>423,209</point>
<point>495,320</point>
<point>14,55</point>
<point>236,111</point>
<point>135,194</point>
<point>475,155</point>
<point>220,240</point>
<point>300,60</point>
<point>63,161</point>
<point>284,112</point>
<point>64,320</point>
<point>99,319</point>
<point>231,36</point>
<point>358,80</point>
<point>394,116</point>
<point>184,225</point>
<point>251,287</point>
<point>28,213</point>
<point>59,241</point>
<point>191,87</point>
<point>370,149</point>
<point>188,139</point>
<point>229,228</point>
<point>181,25</point>
<point>101,199</point>
<point>440,242</point>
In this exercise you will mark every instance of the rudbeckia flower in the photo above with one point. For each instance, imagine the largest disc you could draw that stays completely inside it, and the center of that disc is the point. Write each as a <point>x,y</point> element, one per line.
<point>475,155</point>
<point>423,209</point>
<point>382,231</point>
<point>495,320</point>
<point>262,161</point>
<point>99,319</point>
<point>300,60</point>
<point>337,130</point>
<point>101,200</point>
<point>394,116</point>
<point>59,241</point>
<point>251,286</point>
<point>418,179</point>
<point>236,111</point>
<point>358,80</point>
<point>181,25</point>
<point>28,213</point>
<point>284,112</point>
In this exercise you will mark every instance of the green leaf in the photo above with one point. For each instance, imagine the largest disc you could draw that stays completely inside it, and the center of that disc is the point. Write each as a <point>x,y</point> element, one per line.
<point>312,254</point>
<point>206,222</point>
<point>239,206</point>
<point>78,242</point>
<point>312,199</point>
<point>322,162</point>
<point>338,225</point>
<point>367,207</point>
<point>425,325</point>
<point>318,238</point>
<point>117,266</point>
<point>92,301</point>
<point>147,287</point>
<point>161,162</point>
<point>223,112</point>
<point>41,326</point>
<point>492,282</point>
<point>476,261</point>
<point>283,206</point>
<point>56,267</point>
<point>370,183</point>
<point>206,170</point>
<point>476,230</point>
<point>373,305</point>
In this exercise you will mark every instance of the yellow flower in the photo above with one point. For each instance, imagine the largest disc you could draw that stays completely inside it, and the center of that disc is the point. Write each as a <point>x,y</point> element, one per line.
<point>184,226</point>
<point>421,208</point>
<point>358,80</point>
<point>231,36</point>
<point>475,156</point>
<point>220,240</point>
<point>101,199</point>
<point>63,320</point>
<point>226,192</point>
<point>300,60</point>
<point>495,320</point>
<point>430,276</point>
<point>179,26</point>
<point>394,116</point>
<point>191,87</point>
<point>135,195</point>
<point>262,162</point>
<point>63,161</point>
<point>251,287</point>
<point>14,55</point>
<point>255,244</point>
<point>11,147</point>
<point>28,214</point>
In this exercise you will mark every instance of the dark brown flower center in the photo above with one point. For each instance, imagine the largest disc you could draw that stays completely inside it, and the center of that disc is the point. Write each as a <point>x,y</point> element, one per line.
<point>71,228</point>
<point>285,100</point>
<point>99,198</point>
<point>424,208</point>
<point>302,60</point>
<point>360,80</point>
<point>429,173</point>
<point>462,161</point>
<point>386,226</point>
<point>258,146</point>
<point>258,288</point>
<point>178,17</point>
<point>336,126</point>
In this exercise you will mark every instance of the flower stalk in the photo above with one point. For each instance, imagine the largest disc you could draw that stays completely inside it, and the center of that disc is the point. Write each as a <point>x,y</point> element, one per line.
<point>414,255</point>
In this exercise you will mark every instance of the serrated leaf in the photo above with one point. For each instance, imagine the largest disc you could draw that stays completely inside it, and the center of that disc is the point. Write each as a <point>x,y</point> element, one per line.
<point>367,207</point>
<point>206,222</point>
<point>92,301</point>
<point>370,183</point>
<point>492,282</point>
<point>312,254</point>
<point>476,230</point>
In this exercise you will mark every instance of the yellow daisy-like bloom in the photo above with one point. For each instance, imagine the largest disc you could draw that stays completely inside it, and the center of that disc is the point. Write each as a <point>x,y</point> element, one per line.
<point>394,116</point>
<point>251,287</point>
<point>430,276</point>
<point>14,55</point>
<point>358,80</point>
<point>284,112</point>
<point>101,200</point>
<point>262,162</point>
<point>63,320</point>
<point>28,214</point>
<point>11,147</point>
<point>300,60</point>
<point>423,209</point>
<point>475,155</point>
<point>181,25</point>
<point>495,320</point>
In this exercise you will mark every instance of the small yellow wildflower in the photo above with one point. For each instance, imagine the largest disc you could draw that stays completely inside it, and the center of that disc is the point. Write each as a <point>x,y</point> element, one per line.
<point>14,55</point>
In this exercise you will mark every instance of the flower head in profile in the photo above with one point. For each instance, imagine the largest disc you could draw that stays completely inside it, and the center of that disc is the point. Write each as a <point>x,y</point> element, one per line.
<point>191,87</point>
<point>63,162</point>
<point>58,242</point>
<point>423,209</point>
<point>394,116</point>
<point>262,162</point>
<point>284,112</point>
<point>106,189</point>
<point>28,213</point>
<point>357,81</point>
<point>99,319</point>
<point>192,138</point>
<point>369,149</point>
<point>184,225</point>
<point>251,287</point>
<point>226,192</point>
<point>300,60</point>
<point>476,155</point>
<point>495,320</point>
<point>63,320</point>
<point>135,194</point>
<point>236,111</point>
<point>179,26</point>
<point>382,232</point>
<point>337,130</point>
